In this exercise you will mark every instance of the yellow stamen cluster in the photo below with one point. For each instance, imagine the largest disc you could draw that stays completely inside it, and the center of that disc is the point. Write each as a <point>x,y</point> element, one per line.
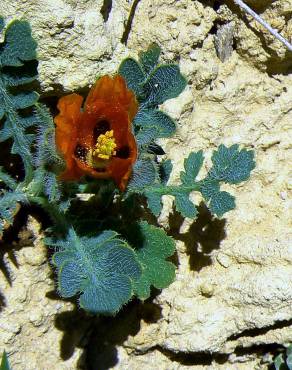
<point>105,145</point>
<point>104,149</point>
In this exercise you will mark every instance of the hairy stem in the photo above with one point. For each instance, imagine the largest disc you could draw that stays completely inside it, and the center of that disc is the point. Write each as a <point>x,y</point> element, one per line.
<point>263,23</point>
<point>174,189</point>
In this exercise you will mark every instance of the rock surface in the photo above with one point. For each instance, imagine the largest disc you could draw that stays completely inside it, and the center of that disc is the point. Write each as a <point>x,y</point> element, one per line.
<point>233,293</point>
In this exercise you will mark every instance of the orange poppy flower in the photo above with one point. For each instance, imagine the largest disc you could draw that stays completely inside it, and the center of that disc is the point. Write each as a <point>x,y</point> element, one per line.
<point>98,140</point>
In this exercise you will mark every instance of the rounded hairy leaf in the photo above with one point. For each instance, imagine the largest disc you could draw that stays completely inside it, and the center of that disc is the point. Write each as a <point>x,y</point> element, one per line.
<point>156,247</point>
<point>101,269</point>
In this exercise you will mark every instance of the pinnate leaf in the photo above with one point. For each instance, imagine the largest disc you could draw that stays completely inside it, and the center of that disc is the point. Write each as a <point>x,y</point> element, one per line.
<point>17,67</point>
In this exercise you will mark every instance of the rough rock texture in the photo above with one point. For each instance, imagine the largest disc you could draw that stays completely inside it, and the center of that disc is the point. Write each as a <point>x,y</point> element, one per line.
<point>30,328</point>
<point>233,293</point>
<point>75,42</point>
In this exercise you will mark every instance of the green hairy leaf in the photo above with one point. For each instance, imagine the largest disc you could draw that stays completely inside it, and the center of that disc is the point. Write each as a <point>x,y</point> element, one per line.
<point>133,74</point>
<point>165,82</point>
<point>156,271</point>
<point>144,174</point>
<point>154,202</point>
<point>46,160</point>
<point>17,57</point>
<point>155,120</point>
<point>231,165</point>
<point>4,362</point>
<point>149,59</point>
<point>19,46</point>
<point>8,206</point>
<point>7,179</point>
<point>101,269</point>
<point>219,202</point>
<point>184,205</point>
<point>153,84</point>
<point>192,166</point>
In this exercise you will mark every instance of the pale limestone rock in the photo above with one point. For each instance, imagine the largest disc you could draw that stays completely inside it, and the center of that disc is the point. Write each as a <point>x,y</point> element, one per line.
<point>225,286</point>
<point>75,44</point>
<point>27,328</point>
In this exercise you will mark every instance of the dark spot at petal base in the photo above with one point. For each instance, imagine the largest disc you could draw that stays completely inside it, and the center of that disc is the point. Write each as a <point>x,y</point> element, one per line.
<point>123,152</point>
<point>100,128</point>
<point>97,169</point>
<point>80,152</point>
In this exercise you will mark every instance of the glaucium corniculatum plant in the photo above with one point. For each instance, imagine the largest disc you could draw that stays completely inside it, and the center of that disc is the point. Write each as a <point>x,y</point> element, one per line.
<point>91,169</point>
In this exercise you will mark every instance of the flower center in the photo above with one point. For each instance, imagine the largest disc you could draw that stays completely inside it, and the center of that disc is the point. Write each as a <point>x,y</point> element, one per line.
<point>104,149</point>
<point>105,145</point>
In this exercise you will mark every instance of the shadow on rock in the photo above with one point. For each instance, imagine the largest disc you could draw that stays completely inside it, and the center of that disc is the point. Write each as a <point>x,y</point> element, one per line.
<point>109,332</point>
<point>100,336</point>
<point>204,235</point>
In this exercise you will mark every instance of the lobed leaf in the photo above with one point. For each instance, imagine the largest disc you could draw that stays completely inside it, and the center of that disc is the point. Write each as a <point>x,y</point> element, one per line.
<point>232,165</point>
<point>144,174</point>
<point>101,269</point>
<point>146,136</point>
<point>133,75</point>
<point>154,202</point>
<point>19,45</point>
<point>165,82</point>
<point>156,271</point>
<point>192,166</point>
<point>221,203</point>
<point>24,100</point>
<point>149,58</point>
<point>184,205</point>
<point>209,187</point>
<point>157,121</point>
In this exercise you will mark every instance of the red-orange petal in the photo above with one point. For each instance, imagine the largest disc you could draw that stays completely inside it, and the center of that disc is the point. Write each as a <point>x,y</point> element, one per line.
<point>114,91</point>
<point>67,122</point>
<point>110,100</point>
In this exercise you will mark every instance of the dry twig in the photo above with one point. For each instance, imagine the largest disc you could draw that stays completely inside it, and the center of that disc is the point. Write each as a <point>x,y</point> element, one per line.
<point>263,23</point>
